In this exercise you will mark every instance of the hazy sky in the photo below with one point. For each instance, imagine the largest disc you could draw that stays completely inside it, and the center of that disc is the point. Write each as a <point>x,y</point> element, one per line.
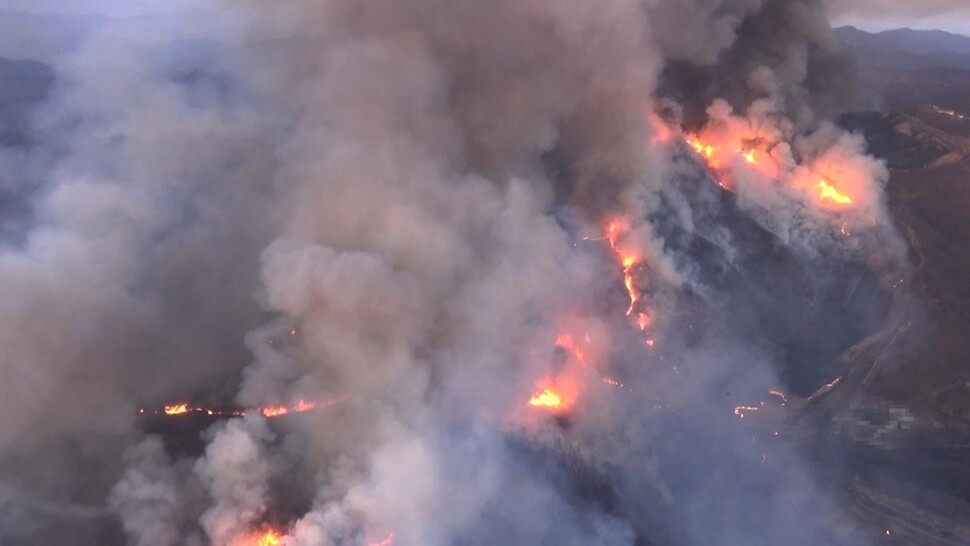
<point>951,15</point>
<point>902,8</point>
<point>103,7</point>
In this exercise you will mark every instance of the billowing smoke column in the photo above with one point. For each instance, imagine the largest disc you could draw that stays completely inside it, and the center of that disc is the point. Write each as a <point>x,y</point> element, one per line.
<point>539,251</point>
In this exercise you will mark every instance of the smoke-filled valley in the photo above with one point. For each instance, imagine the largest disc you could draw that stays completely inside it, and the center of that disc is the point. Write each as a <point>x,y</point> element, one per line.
<point>452,272</point>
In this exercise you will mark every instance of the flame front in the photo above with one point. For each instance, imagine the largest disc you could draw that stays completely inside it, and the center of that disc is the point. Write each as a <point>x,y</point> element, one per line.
<point>267,411</point>
<point>300,407</point>
<point>724,155</point>
<point>737,152</point>
<point>559,391</point>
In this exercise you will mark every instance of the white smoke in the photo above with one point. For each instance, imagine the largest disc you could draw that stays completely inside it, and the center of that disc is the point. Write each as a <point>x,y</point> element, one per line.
<point>147,498</point>
<point>236,473</point>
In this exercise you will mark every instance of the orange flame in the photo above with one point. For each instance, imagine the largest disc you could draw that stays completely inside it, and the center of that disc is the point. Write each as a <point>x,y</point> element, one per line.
<point>628,259</point>
<point>630,288</point>
<point>705,150</point>
<point>720,159</point>
<point>547,398</point>
<point>560,391</point>
<point>275,411</point>
<point>828,192</point>
<point>177,409</point>
<point>269,537</point>
<point>267,411</point>
<point>716,156</point>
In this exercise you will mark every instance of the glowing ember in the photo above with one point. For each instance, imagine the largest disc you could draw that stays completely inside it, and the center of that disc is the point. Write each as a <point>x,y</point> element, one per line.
<point>644,321</point>
<point>176,409</point>
<point>826,388</point>
<point>827,192</point>
<point>779,394</point>
<point>612,382</point>
<point>547,398</point>
<point>740,410</point>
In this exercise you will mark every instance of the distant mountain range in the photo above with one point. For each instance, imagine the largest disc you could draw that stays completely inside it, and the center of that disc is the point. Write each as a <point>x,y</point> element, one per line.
<point>905,68</point>
<point>906,39</point>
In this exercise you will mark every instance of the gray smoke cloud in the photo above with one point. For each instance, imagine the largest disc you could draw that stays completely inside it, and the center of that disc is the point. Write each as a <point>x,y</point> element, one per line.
<point>401,206</point>
<point>781,49</point>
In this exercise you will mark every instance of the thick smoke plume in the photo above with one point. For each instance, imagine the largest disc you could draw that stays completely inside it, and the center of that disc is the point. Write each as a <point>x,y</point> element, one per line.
<point>430,211</point>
